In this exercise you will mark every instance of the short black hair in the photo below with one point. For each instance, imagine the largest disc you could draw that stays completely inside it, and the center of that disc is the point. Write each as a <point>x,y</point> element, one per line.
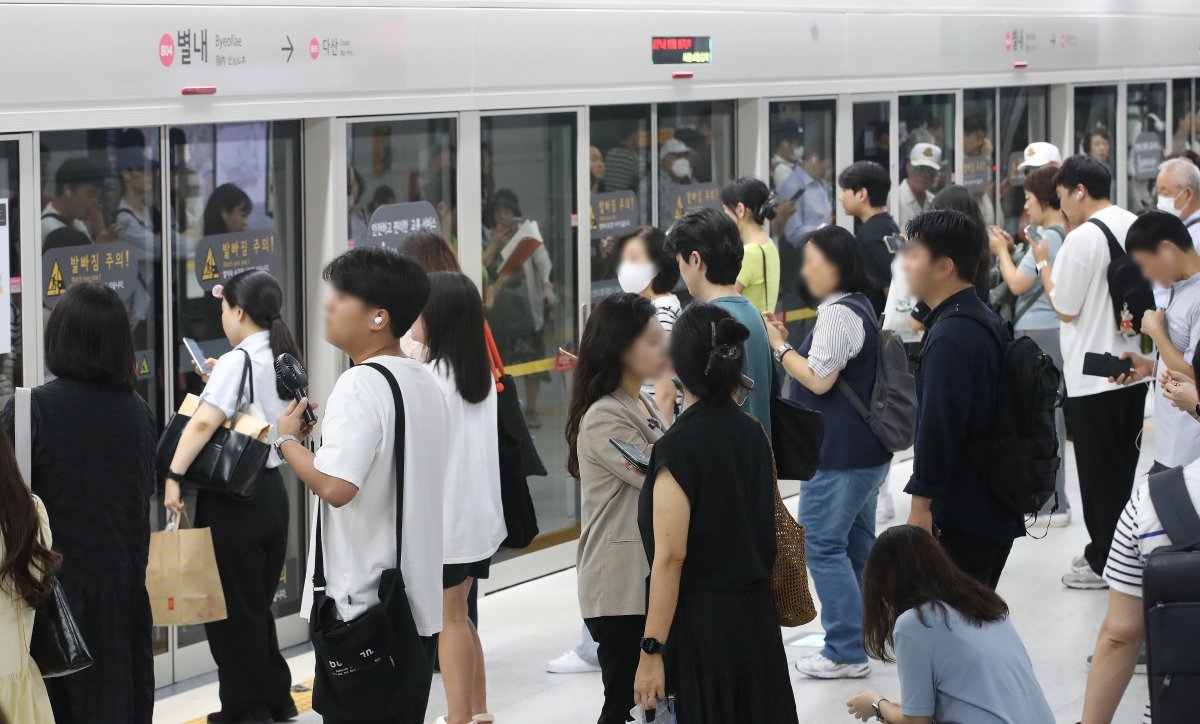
<point>712,234</point>
<point>1085,171</point>
<point>950,234</point>
<point>88,338</point>
<point>655,241</point>
<point>1154,227</point>
<point>870,176</point>
<point>842,250</point>
<point>384,278</point>
<point>78,172</point>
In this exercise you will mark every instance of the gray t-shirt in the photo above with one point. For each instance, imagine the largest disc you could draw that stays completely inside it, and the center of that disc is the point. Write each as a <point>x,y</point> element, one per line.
<point>959,673</point>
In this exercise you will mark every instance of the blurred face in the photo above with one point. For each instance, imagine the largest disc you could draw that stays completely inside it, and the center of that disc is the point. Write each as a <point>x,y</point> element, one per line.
<point>634,252</point>
<point>1100,148</point>
<point>973,143</point>
<point>348,320</point>
<point>236,218</point>
<point>1160,266</point>
<point>820,276</point>
<point>924,273</point>
<point>79,201</point>
<point>647,358</point>
<point>1037,212</point>
<point>921,178</point>
<point>596,160</point>
<point>1071,203</point>
<point>504,216</point>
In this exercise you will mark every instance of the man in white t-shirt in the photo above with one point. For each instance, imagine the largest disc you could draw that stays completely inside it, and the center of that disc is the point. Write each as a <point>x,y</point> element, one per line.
<point>377,295</point>
<point>1105,417</point>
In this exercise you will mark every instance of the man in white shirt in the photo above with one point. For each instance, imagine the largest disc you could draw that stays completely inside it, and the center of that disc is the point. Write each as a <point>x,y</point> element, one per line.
<point>377,295</point>
<point>1178,188</point>
<point>78,184</point>
<point>916,190</point>
<point>1105,417</point>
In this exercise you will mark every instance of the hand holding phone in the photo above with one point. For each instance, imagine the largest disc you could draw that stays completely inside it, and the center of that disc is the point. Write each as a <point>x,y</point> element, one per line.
<point>632,455</point>
<point>1106,365</point>
<point>893,242</point>
<point>203,368</point>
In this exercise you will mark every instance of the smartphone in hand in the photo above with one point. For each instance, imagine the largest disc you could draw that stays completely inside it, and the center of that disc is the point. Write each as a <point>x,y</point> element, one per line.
<point>632,455</point>
<point>1105,365</point>
<point>197,355</point>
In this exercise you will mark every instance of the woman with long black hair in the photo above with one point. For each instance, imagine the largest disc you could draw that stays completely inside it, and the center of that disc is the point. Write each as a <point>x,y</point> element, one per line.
<point>623,345</point>
<point>249,536</point>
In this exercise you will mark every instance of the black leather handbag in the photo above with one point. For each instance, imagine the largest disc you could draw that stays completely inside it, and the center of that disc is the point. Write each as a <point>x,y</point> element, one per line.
<point>796,435</point>
<point>230,461</point>
<point>374,666</point>
<point>57,645</point>
<point>518,457</point>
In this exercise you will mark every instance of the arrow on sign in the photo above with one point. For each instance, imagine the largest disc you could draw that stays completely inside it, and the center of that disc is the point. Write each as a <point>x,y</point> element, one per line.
<point>289,48</point>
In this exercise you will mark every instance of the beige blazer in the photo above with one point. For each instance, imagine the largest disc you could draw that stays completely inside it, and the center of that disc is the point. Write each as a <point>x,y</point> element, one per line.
<point>611,561</point>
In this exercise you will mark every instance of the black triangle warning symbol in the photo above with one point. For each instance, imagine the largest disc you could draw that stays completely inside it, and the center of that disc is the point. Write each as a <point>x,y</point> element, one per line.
<point>144,366</point>
<point>210,268</point>
<point>55,286</point>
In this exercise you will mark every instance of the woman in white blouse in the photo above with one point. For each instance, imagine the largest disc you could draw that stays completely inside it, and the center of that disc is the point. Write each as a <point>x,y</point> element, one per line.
<point>451,330</point>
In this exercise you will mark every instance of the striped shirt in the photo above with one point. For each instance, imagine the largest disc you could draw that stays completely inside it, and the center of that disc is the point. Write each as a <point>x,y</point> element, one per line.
<point>667,309</point>
<point>838,337</point>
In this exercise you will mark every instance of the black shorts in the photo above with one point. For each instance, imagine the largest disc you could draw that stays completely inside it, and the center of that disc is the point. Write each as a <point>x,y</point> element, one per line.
<point>454,574</point>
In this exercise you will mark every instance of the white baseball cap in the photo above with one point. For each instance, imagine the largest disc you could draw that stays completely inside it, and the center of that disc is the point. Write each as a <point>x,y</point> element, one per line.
<point>673,146</point>
<point>1040,153</point>
<point>926,154</point>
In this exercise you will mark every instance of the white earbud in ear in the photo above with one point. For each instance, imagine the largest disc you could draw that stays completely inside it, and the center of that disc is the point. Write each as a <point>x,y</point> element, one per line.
<point>378,319</point>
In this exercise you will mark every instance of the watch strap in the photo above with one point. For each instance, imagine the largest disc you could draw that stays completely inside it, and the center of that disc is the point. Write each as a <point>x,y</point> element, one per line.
<point>172,475</point>
<point>281,440</point>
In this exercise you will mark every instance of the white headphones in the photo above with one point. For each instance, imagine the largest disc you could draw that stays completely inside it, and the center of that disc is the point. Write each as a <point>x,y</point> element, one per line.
<point>378,319</point>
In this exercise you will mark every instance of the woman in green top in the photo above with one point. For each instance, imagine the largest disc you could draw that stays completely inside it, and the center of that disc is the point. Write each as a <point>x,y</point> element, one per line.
<point>748,201</point>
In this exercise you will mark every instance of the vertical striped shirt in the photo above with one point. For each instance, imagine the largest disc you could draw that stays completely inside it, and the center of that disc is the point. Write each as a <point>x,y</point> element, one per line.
<point>838,337</point>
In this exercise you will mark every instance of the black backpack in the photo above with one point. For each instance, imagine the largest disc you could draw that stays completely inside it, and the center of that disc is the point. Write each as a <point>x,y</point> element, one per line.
<point>1021,458</point>
<point>1127,288</point>
<point>1171,597</point>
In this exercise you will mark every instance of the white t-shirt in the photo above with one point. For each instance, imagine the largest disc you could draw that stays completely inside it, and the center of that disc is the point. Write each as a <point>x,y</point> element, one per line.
<point>908,206</point>
<point>474,517</point>
<point>897,310</point>
<point>359,538</point>
<point>221,391</point>
<point>1176,434</point>
<point>1080,276</point>
<point>666,310</point>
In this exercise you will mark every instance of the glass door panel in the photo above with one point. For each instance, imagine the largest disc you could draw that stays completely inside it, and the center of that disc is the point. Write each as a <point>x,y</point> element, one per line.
<point>1146,116</point>
<point>926,151</point>
<point>1185,114</point>
<point>1024,119</point>
<point>1095,126</point>
<point>695,156</point>
<point>979,150</point>
<point>621,169</point>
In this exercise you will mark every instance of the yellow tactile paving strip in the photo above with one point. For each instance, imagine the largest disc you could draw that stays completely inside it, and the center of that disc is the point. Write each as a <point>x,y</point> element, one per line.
<point>301,694</point>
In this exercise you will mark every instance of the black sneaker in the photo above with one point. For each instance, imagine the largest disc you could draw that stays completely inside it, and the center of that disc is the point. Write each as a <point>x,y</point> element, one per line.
<point>286,713</point>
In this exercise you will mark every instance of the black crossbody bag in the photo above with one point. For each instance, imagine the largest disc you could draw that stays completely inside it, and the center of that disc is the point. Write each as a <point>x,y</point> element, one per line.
<point>374,666</point>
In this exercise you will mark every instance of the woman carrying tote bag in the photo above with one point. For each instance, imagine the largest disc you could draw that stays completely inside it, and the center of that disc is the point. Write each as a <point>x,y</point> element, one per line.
<point>249,536</point>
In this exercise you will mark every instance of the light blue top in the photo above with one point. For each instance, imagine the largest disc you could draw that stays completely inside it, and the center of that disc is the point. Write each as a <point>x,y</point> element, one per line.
<point>758,360</point>
<point>959,673</point>
<point>1041,314</point>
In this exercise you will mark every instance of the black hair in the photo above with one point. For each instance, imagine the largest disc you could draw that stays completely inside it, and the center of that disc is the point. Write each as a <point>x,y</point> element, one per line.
<point>973,123</point>
<point>383,278</point>
<point>224,198</point>
<point>454,333</point>
<point>950,234</point>
<point>29,566</point>
<point>431,250</point>
<point>1154,227</point>
<point>78,172</point>
<point>1085,171</point>
<point>711,372</point>
<point>841,249</point>
<point>614,325</point>
<point>88,338</point>
<point>870,176</point>
<point>259,295</point>
<point>1040,183</point>
<point>712,234</point>
<point>753,194</point>
<point>655,241</point>
<point>958,198</point>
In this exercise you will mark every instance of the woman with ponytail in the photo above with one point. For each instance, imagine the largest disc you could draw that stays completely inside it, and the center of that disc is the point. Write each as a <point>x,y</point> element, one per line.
<point>751,204</point>
<point>707,519</point>
<point>249,536</point>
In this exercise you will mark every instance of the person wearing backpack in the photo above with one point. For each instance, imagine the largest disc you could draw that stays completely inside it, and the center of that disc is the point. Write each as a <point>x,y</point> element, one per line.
<point>958,387</point>
<point>1100,305</point>
<point>836,369</point>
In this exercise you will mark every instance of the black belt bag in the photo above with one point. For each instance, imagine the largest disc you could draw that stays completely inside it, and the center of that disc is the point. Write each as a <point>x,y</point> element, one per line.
<point>373,666</point>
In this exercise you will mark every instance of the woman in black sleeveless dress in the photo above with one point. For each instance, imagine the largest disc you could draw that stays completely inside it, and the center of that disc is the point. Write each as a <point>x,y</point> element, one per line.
<point>707,517</point>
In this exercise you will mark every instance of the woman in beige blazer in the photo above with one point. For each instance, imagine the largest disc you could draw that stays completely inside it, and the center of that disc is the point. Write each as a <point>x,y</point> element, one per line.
<point>623,345</point>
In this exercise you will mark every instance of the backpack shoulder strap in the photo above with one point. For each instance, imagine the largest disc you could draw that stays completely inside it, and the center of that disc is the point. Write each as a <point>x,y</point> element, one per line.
<point>1114,247</point>
<point>398,445</point>
<point>864,307</point>
<point>843,386</point>
<point>1192,223</point>
<point>977,315</point>
<point>1174,506</point>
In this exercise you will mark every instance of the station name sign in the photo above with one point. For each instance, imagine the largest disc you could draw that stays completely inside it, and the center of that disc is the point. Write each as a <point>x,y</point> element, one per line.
<point>675,50</point>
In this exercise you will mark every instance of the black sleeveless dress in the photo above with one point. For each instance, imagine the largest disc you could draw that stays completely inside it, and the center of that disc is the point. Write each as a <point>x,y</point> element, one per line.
<point>724,657</point>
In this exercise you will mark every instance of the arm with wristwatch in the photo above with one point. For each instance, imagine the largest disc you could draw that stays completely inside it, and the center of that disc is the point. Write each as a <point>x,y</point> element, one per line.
<point>795,364</point>
<point>1041,254</point>
<point>869,705</point>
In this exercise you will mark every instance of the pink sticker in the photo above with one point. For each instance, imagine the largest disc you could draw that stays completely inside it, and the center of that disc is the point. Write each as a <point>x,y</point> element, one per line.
<point>166,50</point>
<point>314,48</point>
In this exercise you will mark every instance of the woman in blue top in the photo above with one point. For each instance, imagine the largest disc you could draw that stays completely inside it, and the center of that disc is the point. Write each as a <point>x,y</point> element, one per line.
<point>1033,316</point>
<point>838,505</point>
<point>960,657</point>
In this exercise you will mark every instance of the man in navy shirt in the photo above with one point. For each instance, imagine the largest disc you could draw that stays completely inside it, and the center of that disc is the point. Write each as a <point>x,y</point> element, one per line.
<point>957,384</point>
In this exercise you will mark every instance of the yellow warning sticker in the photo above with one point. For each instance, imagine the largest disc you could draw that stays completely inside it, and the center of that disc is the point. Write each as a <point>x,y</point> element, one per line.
<point>210,268</point>
<point>144,366</point>
<point>55,286</point>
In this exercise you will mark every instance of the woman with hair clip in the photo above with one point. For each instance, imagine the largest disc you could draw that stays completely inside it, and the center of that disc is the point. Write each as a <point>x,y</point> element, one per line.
<point>451,329</point>
<point>622,346</point>
<point>959,655</point>
<point>249,536</point>
<point>707,519</point>
<point>750,203</point>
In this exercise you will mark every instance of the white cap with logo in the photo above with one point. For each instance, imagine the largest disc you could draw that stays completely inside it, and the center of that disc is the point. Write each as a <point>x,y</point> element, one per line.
<point>926,154</point>
<point>673,146</point>
<point>1040,153</point>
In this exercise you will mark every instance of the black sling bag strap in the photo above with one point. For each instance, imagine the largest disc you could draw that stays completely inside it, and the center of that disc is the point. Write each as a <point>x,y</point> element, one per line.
<point>374,666</point>
<point>1173,504</point>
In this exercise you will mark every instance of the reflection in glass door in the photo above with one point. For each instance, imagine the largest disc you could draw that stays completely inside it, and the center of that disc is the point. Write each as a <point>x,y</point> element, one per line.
<point>1146,119</point>
<point>1185,115</point>
<point>927,147</point>
<point>1024,119</point>
<point>1095,127</point>
<point>11,344</point>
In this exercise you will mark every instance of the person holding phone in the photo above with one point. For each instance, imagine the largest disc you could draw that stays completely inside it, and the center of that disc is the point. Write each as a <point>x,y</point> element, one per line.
<point>249,536</point>
<point>623,345</point>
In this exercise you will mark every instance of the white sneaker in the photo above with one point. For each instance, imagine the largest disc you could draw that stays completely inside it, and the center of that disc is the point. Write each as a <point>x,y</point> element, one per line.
<point>1080,564</point>
<point>885,508</point>
<point>1084,580</point>
<point>819,667</point>
<point>1060,519</point>
<point>570,663</point>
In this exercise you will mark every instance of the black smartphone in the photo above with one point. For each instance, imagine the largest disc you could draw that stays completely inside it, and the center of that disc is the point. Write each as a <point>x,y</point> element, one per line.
<point>197,354</point>
<point>1105,365</point>
<point>893,242</point>
<point>632,455</point>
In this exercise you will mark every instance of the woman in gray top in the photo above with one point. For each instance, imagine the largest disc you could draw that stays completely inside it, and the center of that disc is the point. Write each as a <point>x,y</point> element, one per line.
<point>959,655</point>
<point>623,345</point>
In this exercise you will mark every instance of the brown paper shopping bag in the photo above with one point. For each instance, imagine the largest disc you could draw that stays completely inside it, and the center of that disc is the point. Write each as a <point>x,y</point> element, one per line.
<point>182,577</point>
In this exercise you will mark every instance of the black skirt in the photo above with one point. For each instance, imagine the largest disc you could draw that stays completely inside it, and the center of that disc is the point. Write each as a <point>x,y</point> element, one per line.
<point>725,662</point>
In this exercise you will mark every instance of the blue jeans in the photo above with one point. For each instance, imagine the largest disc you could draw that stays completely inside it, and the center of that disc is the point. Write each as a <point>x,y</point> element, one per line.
<point>837,509</point>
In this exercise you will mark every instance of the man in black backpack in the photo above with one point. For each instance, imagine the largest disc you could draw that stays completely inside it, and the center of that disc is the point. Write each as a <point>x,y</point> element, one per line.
<point>957,390</point>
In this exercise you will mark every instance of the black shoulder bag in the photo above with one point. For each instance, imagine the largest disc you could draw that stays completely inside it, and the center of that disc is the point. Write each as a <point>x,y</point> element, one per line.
<point>374,666</point>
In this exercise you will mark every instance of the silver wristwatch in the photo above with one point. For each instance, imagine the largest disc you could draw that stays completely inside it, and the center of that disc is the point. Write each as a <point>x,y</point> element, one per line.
<point>876,710</point>
<point>1042,265</point>
<point>781,350</point>
<point>281,440</point>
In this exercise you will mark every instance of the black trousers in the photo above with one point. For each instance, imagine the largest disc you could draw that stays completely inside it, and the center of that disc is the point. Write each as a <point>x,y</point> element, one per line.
<point>417,714</point>
<point>1106,427</point>
<point>618,648</point>
<point>250,542</point>
<point>980,558</point>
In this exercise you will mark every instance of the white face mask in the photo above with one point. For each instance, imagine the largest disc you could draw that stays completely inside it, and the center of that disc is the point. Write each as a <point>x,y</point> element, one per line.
<point>1167,204</point>
<point>682,168</point>
<point>633,277</point>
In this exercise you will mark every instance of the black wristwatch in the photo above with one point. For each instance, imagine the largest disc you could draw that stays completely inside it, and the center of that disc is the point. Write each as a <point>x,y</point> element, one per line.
<point>172,475</point>
<point>651,645</point>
